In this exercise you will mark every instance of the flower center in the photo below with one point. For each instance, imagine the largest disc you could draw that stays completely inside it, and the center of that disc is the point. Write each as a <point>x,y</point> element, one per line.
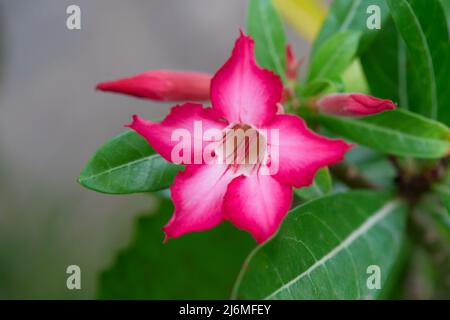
<point>242,148</point>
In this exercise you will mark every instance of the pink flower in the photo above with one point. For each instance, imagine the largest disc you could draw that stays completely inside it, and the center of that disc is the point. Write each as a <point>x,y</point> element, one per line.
<point>252,196</point>
<point>353,104</point>
<point>163,85</point>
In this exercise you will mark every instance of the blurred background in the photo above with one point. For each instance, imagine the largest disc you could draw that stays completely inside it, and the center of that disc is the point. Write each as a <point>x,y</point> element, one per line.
<point>52,121</point>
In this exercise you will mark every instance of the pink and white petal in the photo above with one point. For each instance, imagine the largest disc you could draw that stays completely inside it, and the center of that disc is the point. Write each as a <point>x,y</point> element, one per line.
<point>299,151</point>
<point>198,194</point>
<point>177,127</point>
<point>257,204</point>
<point>242,91</point>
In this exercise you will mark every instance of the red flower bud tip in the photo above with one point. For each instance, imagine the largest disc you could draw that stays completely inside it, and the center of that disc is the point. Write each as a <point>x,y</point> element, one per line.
<point>292,64</point>
<point>353,104</point>
<point>162,85</point>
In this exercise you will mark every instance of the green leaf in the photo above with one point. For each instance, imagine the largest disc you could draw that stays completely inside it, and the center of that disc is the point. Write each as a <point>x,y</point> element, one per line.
<point>423,28</point>
<point>440,213</point>
<point>422,276</point>
<point>443,191</point>
<point>195,266</point>
<point>266,28</point>
<point>372,165</point>
<point>434,215</point>
<point>317,86</point>
<point>394,132</point>
<point>334,56</point>
<point>321,185</point>
<point>391,73</point>
<point>431,226</point>
<point>446,5</point>
<point>349,15</point>
<point>324,247</point>
<point>385,66</point>
<point>127,164</point>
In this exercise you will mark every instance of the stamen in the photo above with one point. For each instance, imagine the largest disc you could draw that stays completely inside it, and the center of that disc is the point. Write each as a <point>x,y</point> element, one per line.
<point>242,148</point>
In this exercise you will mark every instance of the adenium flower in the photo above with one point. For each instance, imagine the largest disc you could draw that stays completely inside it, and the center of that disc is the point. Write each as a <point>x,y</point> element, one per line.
<point>353,104</point>
<point>163,85</point>
<point>246,97</point>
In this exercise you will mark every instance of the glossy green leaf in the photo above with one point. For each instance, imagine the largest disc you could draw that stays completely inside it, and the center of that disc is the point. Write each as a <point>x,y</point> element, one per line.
<point>443,191</point>
<point>354,79</point>
<point>439,211</point>
<point>385,66</point>
<point>334,56</point>
<point>422,276</point>
<point>127,164</point>
<point>317,86</point>
<point>446,5</point>
<point>324,248</point>
<point>394,132</point>
<point>423,28</point>
<point>391,73</point>
<point>373,165</point>
<point>431,224</point>
<point>266,28</point>
<point>349,15</point>
<point>200,265</point>
<point>321,185</point>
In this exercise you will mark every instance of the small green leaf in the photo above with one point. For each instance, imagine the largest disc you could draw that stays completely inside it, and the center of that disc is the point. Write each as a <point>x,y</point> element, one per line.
<point>266,28</point>
<point>127,164</point>
<point>392,73</point>
<point>373,165</point>
<point>321,185</point>
<point>394,132</point>
<point>432,221</point>
<point>324,248</point>
<point>317,86</point>
<point>443,191</point>
<point>195,266</point>
<point>334,56</point>
<point>446,5</point>
<point>423,27</point>
<point>385,66</point>
<point>349,15</point>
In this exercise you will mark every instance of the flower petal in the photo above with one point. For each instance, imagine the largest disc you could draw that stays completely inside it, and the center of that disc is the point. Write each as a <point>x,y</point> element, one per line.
<point>257,204</point>
<point>242,91</point>
<point>184,125</point>
<point>299,152</point>
<point>353,104</point>
<point>163,85</point>
<point>197,194</point>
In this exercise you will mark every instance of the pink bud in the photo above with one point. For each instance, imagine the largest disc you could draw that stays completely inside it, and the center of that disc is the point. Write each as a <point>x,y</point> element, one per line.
<point>353,104</point>
<point>163,85</point>
<point>292,64</point>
